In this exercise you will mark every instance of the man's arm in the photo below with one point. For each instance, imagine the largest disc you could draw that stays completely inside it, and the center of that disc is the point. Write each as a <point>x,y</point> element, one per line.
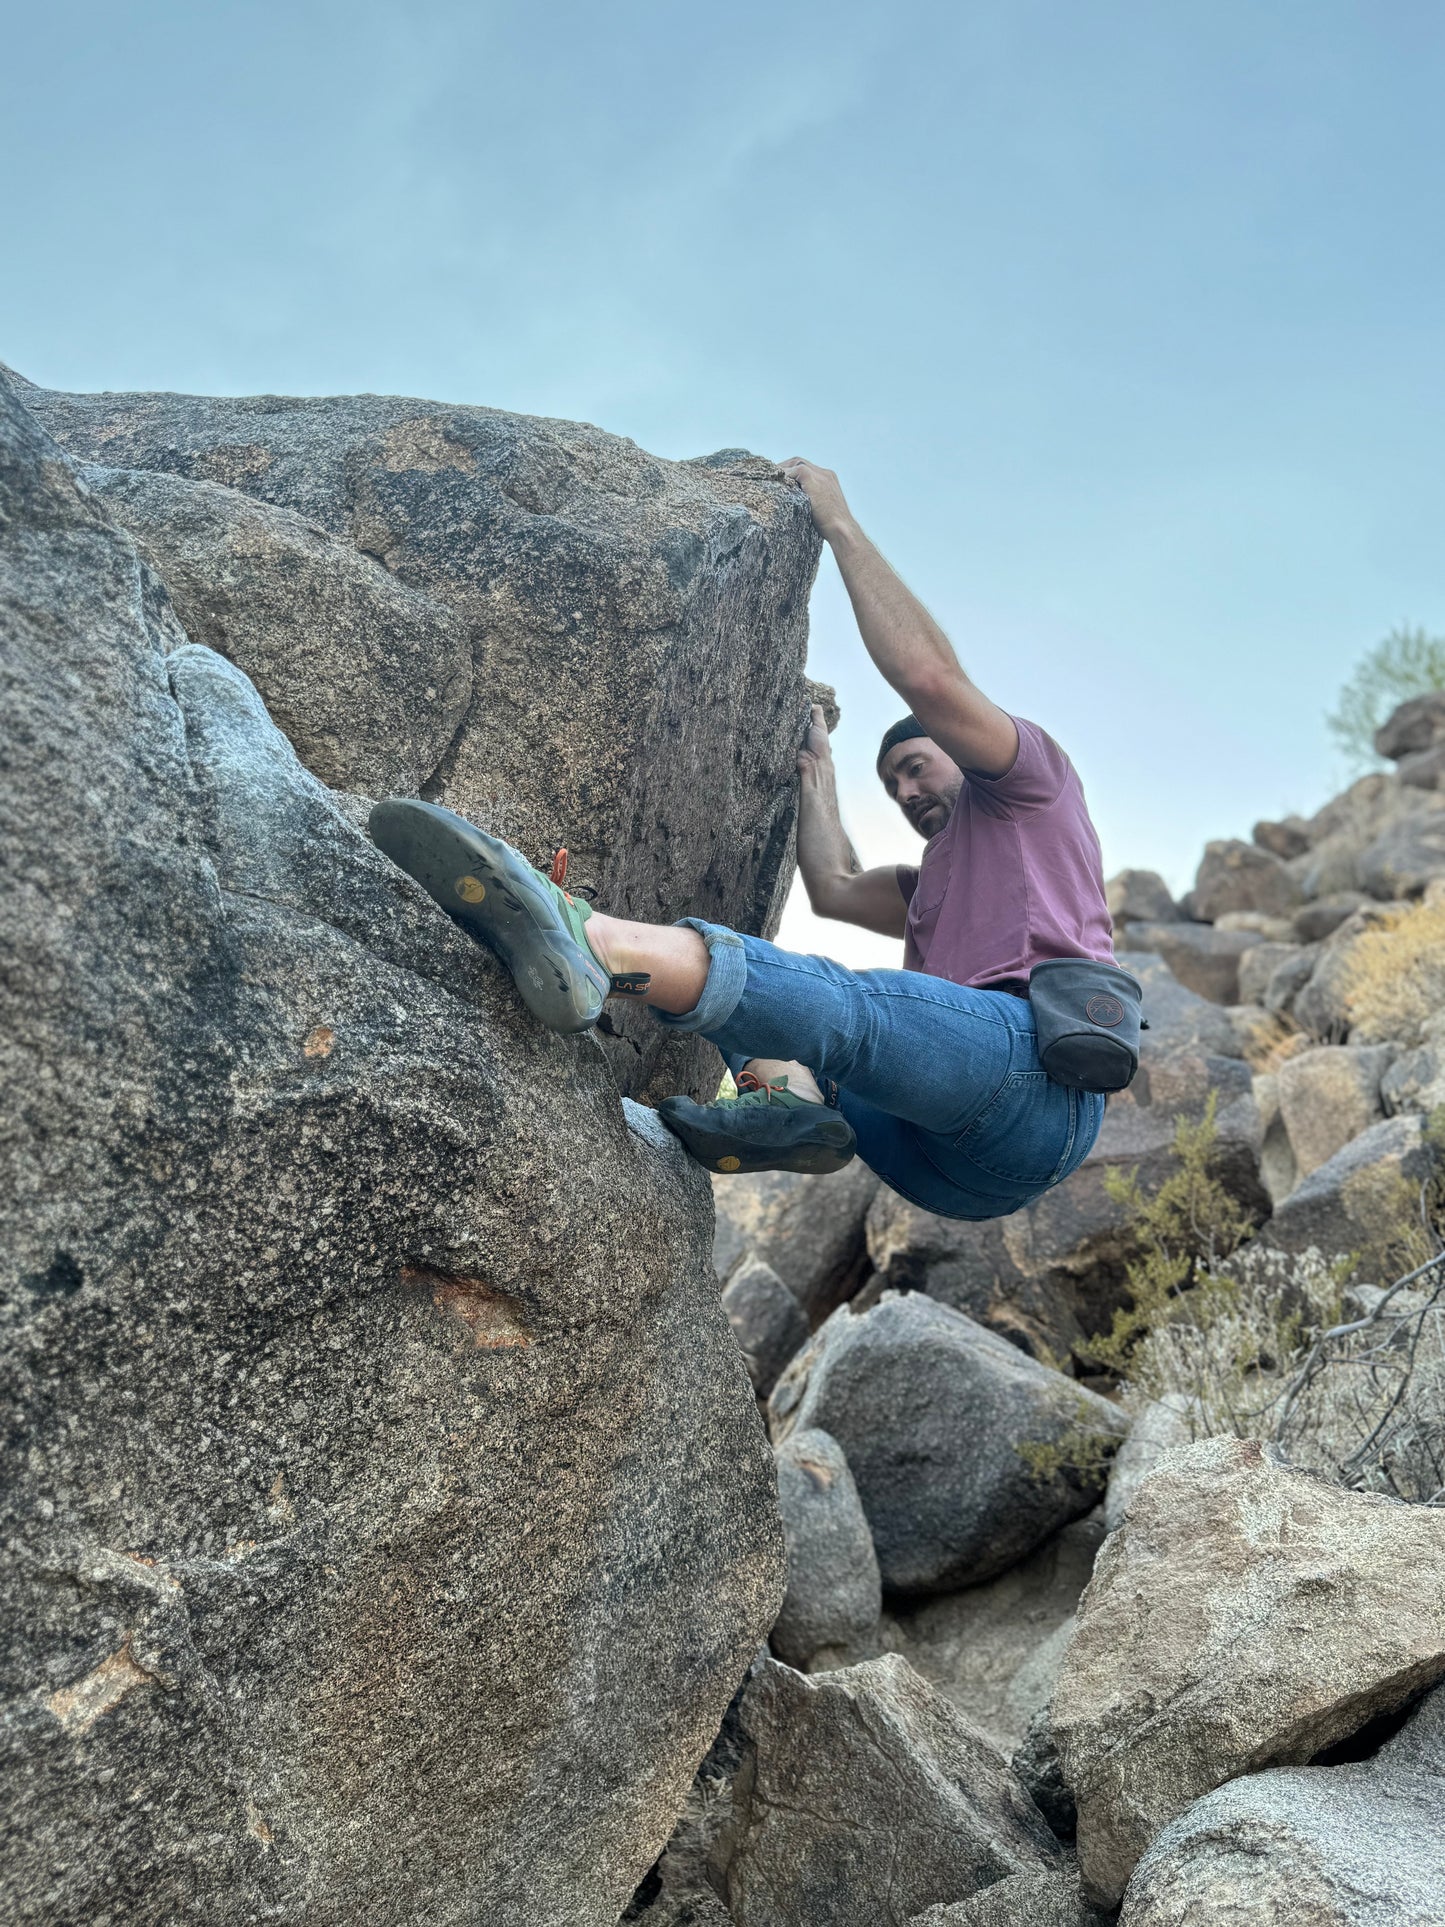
<point>911,651</point>
<point>837,884</point>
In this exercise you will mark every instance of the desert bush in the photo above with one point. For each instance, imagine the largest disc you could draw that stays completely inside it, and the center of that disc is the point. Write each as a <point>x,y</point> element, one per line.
<point>1395,980</point>
<point>1407,663</point>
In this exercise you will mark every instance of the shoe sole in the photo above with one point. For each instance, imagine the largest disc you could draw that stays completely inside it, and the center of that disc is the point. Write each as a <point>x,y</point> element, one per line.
<point>782,1141</point>
<point>494,894</point>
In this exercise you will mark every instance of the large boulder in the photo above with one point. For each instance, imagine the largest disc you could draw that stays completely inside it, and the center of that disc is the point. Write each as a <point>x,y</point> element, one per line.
<point>966,1453</point>
<point>1408,856</point>
<point>1360,1200</point>
<point>359,1469</point>
<point>810,1230</point>
<point>1322,1004</point>
<point>1352,1845</point>
<point>1237,876</point>
<point>1050,1898</point>
<point>1204,960</point>
<point>1057,1267</point>
<point>834,1594</point>
<point>531,621</point>
<point>864,1798</point>
<point>1245,1615</point>
<point>1139,896</point>
<point>1328,1096</point>
<point>1418,724</point>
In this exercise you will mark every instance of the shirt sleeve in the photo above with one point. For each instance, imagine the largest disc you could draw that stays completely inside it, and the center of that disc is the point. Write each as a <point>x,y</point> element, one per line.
<point>907,880</point>
<point>1036,781</point>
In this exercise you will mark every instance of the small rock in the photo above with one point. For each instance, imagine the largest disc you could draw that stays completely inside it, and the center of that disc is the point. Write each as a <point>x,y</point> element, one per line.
<point>1241,876</point>
<point>1416,725</point>
<point>1313,922</point>
<point>1257,968</point>
<point>1285,839</point>
<point>966,1453</point>
<point>767,1321</point>
<point>864,1798</point>
<point>1358,1845</point>
<point>1245,1615</point>
<point>834,1594</point>
<point>1024,1900</point>
<point>1139,896</point>
<point>1408,855</point>
<point>1288,979</point>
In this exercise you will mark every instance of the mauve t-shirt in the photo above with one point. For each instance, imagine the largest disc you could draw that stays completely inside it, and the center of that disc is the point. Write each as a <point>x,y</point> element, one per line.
<point>1015,875</point>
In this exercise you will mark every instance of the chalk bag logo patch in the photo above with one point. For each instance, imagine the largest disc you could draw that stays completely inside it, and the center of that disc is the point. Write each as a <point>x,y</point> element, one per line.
<point>1105,1011</point>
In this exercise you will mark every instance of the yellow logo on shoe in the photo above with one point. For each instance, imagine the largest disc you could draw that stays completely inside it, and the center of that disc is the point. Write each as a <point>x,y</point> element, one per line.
<point>471,889</point>
<point>729,1164</point>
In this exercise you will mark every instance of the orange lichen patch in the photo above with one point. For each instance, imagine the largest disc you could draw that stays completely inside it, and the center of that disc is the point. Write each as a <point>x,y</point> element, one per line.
<point>490,1318</point>
<point>278,1502</point>
<point>320,1041</point>
<point>78,1707</point>
<point>820,1474</point>
<point>256,1824</point>
<point>425,444</point>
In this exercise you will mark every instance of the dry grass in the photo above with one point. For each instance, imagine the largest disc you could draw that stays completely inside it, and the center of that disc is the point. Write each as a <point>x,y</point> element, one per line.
<point>1396,975</point>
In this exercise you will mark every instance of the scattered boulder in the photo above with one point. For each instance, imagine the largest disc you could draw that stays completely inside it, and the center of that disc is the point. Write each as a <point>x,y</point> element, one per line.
<point>1343,830</point>
<point>1313,922</point>
<point>994,1650</point>
<point>1328,1096</point>
<point>767,1321</point>
<point>834,1594</point>
<point>1418,724</point>
<point>966,1453</point>
<point>1237,876</point>
<point>1416,1079</point>
<point>1424,769</point>
<point>1245,1615</point>
<point>1288,979</point>
<point>1286,839</point>
<point>810,1230</point>
<point>1139,896</point>
<point>360,1467</point>
<point>608,600</point>
<point>1163,1424</point>
<point>1409,855</point>
<point>1355,1845</point>
<point>1203,959</point>
<point>864,1798</point>
<point>1258,967</point>
<point>1321,1005</point>
<point>1359,1200</point>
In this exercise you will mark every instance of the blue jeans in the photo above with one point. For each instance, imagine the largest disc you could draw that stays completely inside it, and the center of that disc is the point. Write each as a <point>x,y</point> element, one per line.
<point>941,1083</point>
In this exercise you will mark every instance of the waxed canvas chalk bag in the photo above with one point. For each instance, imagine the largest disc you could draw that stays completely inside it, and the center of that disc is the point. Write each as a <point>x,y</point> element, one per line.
<point>1088,1016</point>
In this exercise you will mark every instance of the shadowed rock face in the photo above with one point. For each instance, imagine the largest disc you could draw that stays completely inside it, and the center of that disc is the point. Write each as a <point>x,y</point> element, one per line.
<point>531,621</point>
<point>358,1464</point>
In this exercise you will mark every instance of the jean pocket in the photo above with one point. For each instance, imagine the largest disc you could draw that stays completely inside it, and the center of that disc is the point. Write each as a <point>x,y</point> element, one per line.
<point>1025,1134</point>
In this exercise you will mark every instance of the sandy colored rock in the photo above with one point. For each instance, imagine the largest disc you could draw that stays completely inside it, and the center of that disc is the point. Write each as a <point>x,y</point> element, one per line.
<point>1357,1201</point>
<point>1328,1096</point>
<point>1235,876</point>
<point>1204,960</point>
<point>360,1469</point>
<point>1245,1615</point>
<point>864,1798</point>
<point>627,622</point>
<point>960,1445</point>
<point>1139,896</point>
<point>1356,1845</point>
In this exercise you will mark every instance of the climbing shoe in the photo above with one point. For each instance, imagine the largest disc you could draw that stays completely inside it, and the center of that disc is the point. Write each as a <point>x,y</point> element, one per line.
<point>501,901</point>
<point>764,1128</point>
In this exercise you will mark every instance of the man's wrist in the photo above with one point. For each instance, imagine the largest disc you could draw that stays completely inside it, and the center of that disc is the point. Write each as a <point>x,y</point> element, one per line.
<point>845,534</point>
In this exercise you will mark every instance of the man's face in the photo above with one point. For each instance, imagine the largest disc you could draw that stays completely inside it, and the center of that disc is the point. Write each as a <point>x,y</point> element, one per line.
<point>923,782</point>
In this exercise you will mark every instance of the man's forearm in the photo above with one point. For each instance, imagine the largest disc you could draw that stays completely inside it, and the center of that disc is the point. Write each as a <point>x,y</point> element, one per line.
<point>911,651</point>
<point>825,856</point>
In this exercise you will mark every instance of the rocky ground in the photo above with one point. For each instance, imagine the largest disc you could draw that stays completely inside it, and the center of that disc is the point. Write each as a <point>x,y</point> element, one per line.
<point>401,1524</point>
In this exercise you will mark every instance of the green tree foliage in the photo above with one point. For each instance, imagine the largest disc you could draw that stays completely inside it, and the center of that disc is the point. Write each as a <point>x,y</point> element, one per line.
<point>1407,663</point>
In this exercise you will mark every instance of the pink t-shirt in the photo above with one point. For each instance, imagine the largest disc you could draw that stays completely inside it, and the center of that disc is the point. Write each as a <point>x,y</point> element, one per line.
<point>1014,876</point>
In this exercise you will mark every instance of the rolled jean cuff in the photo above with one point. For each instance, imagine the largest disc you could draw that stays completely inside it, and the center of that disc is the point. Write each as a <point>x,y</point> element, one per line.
<point>727,978</point>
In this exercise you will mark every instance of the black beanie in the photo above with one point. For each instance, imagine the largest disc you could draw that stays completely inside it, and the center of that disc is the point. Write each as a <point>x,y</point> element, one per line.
<point>905,727</point>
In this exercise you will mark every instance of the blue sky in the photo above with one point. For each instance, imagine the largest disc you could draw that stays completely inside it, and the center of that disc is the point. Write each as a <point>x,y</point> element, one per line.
<point>1121,323</point>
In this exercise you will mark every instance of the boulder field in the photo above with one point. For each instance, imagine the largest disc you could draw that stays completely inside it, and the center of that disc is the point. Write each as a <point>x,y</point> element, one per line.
<point>426,1496</point>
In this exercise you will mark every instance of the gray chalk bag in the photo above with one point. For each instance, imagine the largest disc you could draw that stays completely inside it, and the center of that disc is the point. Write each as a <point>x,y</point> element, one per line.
<point>1088,1016</point>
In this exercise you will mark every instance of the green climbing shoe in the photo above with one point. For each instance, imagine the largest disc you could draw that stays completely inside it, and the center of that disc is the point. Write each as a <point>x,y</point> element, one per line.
<point>764,1128</point>
<point>500,900</point>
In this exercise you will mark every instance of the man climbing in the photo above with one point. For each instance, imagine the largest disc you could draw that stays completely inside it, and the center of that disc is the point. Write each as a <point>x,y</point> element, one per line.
<point>932,1073</point>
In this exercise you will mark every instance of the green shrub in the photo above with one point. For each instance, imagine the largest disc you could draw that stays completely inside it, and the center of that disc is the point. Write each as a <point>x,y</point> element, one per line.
<point>1407,663</point>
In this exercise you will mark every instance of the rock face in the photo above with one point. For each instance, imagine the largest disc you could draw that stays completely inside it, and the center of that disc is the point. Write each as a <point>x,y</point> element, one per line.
<point>1204,960</point>
<point>1241,876</point>
<point>1139,896</point>
<point>530,621</point>
<point>834,1594</point>
<point>1416,725</point>
<point>864,1798</point>
<point>1357,1200</point>
<point>810,1230</point>
<point>1328,1096</point>
<point>1337,1846</point>
<point>941,1422</point>
<point>1245,1615</point>
<point>357,1468</point>
<point>1050,1899</point>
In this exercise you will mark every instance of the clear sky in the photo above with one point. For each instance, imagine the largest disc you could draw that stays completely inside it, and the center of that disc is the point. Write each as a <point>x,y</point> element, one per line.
<point>1121,322</point>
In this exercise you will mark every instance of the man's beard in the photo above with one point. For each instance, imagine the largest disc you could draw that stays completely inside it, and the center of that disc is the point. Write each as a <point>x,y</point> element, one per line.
<point>930,814</point>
